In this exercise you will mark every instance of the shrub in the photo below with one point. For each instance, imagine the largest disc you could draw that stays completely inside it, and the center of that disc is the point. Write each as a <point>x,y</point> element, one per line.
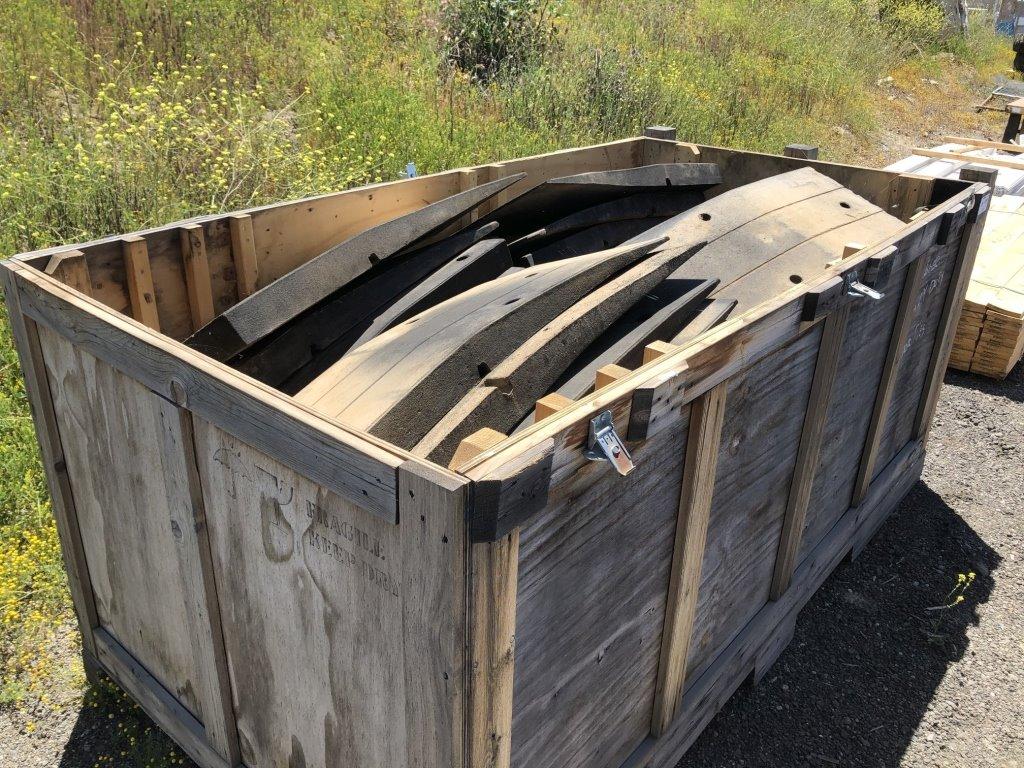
<point>491,38</point>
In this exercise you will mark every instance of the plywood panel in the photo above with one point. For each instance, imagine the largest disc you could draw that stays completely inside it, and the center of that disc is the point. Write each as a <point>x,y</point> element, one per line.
<point>764,415</point>
<point>860,365</point>
<point>593,583</point>
<point>910,377</point>
<point>131,499</point>
<point>340,628</point>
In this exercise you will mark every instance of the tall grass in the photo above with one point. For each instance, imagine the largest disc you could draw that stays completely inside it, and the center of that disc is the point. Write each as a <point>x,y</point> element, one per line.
<point>118,114</point>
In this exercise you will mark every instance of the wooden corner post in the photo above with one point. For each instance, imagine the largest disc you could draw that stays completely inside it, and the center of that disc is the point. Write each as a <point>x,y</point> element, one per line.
<point>493,577</point>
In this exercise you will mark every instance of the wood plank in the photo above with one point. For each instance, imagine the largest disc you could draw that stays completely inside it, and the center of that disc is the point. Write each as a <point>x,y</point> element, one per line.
<point>657,349</point>
<point>197,274</point>
<point>809,454</point>
<point>377,605</point>
<point>503,397</point>
<point>62,503</point>
<point>139,277</point>
<point>482,261</point>
<point>198,583</point>
<point>705,696</point>
<point>757,458</point>
<point>296,355</point>
<point>609,374</point>
<point>434,623</point>
<point>965,258</point>
<point>897,345</point>
<point>994,161</point>
<point>357,467</point>
<point>547,405</point>
<point>243,251</point>
<point>176,721</point>
<point>72,269</point>
<point>492,625</point>
<point>705,431</point>
<point>256,317</point>
<point>128,517</point>
<point>1013,148</point>
<point>401,384</point>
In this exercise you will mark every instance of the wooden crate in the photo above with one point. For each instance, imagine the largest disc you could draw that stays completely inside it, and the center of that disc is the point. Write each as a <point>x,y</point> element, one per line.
<point>277,589</point>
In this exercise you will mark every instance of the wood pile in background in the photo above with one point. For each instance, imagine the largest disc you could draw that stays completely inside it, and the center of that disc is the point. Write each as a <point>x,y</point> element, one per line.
<point>990,333</point>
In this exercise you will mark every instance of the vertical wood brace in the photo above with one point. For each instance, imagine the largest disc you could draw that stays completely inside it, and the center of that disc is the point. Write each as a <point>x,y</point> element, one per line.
<point>199,586</point>
<point>243,253</point>
<point>953,304</point>
<point>139,277</point>
<point>704,436</point>
<point>197,274</point>
<point>26,340</point>
<point>71,268</point>
<point>809,453</point>
<point>493,581</point>
<point>909,192</point>
<point>887,382</point>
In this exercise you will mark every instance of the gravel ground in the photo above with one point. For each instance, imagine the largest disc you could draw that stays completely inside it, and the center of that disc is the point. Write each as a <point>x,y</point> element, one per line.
<point>875,678</point>
<point>872,677</point>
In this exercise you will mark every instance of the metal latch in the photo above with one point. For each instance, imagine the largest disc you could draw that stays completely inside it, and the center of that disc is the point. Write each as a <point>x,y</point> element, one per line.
<point>604,444</point>
<point>857,289</point>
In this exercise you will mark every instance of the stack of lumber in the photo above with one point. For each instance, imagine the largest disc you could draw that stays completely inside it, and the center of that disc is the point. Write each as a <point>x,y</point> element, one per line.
<point>990,333</point>
<point>426,329</point>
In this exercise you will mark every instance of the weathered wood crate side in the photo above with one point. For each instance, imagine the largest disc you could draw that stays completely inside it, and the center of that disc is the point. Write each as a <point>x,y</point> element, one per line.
<point>320,596</point>
<point>643,601</point>
<point>178,506</point>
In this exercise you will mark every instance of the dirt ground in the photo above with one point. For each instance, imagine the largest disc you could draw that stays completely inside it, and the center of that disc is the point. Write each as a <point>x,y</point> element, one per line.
<point>879,673</point>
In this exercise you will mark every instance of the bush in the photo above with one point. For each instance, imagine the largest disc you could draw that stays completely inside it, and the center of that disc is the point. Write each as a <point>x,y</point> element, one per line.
<point>487,39</point>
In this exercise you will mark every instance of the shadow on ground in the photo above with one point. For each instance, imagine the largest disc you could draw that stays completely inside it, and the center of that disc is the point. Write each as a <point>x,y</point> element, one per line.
<point>868,654</point>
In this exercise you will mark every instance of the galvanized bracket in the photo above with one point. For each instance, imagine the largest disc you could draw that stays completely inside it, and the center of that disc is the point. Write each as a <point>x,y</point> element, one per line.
<point>857,289</point>
<point>604,444</point>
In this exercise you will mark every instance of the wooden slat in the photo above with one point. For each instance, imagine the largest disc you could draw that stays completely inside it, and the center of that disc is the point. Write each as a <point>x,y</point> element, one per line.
<point>199,585</point>
<point>1000,145</point>
<point>970,239</point>
<point>494,570</point>
<point>706,695</point>
<point>547,405</point>
<point>26,341</point>
<point>897,342</point>
<point>139,276</point>
<point>176,721</point>
<point>809,454</point>
<point>71,268</point>
<point>197,274</point>
<point>657,349</point>
<point>994,161</point>
<point>608,374</point>
<point>243,252</point>
<point>705,431</point>
<point>357,467</point>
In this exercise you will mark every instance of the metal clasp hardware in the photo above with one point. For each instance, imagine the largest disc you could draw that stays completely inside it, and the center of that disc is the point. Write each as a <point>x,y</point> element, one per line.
<point>604,444</point>
<point>857,289</point>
